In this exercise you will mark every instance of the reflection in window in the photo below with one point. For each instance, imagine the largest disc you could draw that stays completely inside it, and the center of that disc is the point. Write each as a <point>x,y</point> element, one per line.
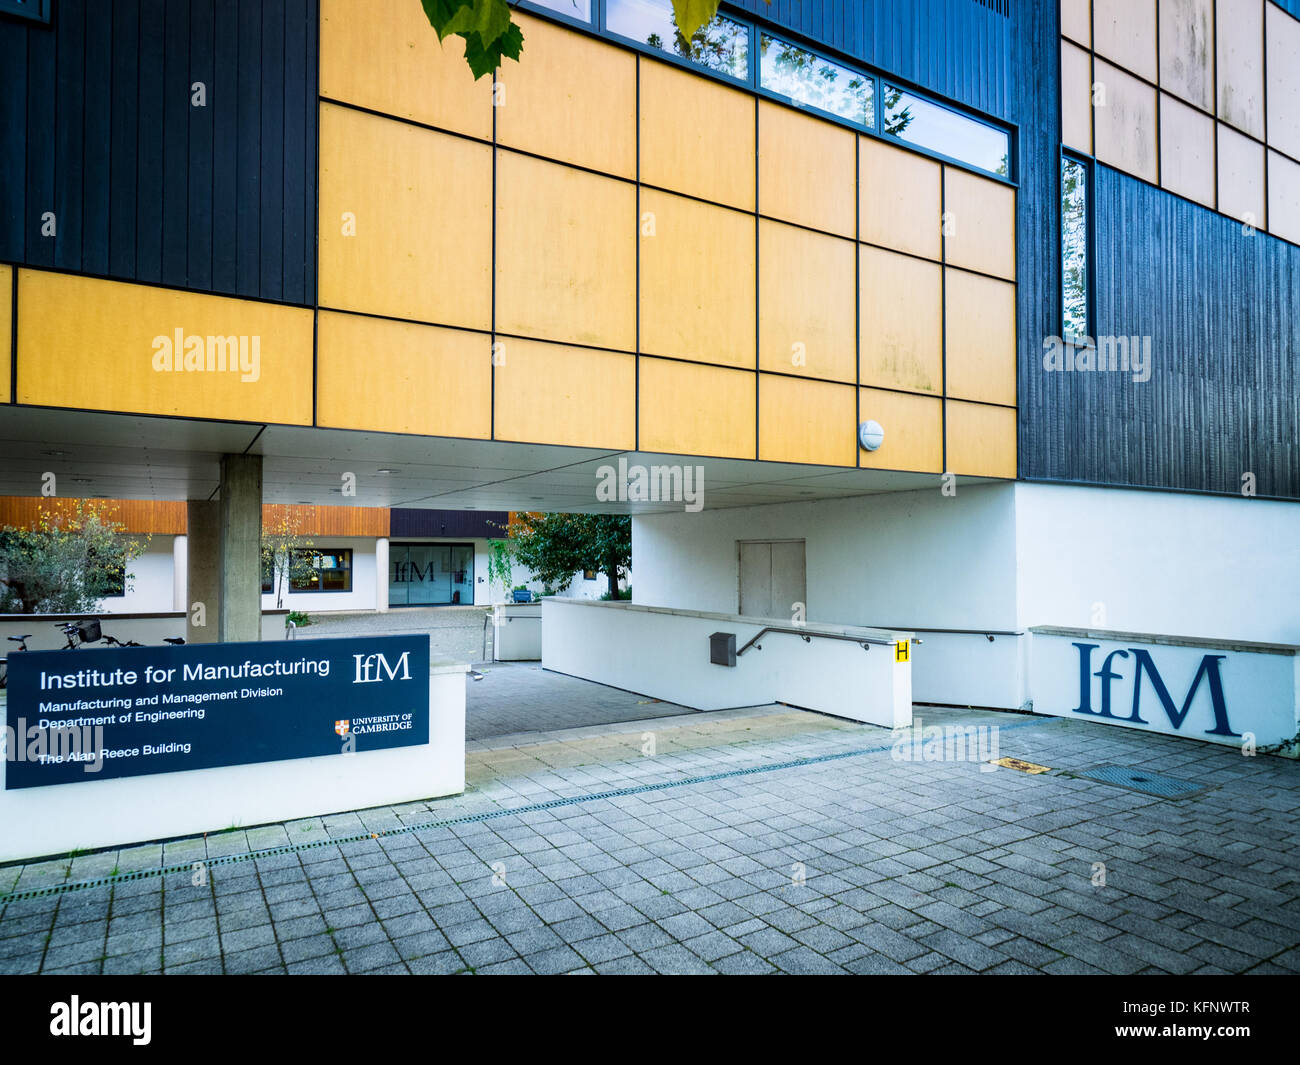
<point>809,79</point>
<point>1074,247</point>
<point>579,9</point>
<point>721,45</point>
<point>928,125</point>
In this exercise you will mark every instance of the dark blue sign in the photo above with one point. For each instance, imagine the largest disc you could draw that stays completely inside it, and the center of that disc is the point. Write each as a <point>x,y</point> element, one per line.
<point>96,714</point>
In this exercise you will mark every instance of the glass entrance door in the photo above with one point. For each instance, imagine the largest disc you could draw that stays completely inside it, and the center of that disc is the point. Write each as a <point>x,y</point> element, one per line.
<point>430,574</point>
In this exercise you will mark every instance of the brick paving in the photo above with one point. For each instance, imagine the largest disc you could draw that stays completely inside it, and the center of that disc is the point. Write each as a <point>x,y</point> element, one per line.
<point>860,864</point>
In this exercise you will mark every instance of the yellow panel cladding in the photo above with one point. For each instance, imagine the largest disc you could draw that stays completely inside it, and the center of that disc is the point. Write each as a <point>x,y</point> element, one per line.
<point>566,254</point>
<point>805,170</point>
<point>806,295</point>
<point>6,331</point>
<point>1076,21</point>
<point>1125,122</point>
<point>913,428</point>
<point>806,421</point>
<point>696,409</point>
<point>405,221</point>
<point>697,280</point>
<point>1076,98</point>
<point>1282,33</point>
<point>902,322</point>
<point>398,377</point>
<point>1124,31</point>
<point>108,345</point>
<point>1186,151</point>
<point>981,440</point>
<point>1239,65</point>
<point>899,199</point>
<point>980,224</point>
<point>555,394</point>
<point>981,332</point>
<point>1241,177</point>
<point>571,98</point>
<point>1187,50</point>
<point>386,57</point>
<point>697,136</point>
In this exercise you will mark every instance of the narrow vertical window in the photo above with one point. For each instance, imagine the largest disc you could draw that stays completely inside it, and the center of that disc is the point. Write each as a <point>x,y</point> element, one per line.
<point>1074,248</point>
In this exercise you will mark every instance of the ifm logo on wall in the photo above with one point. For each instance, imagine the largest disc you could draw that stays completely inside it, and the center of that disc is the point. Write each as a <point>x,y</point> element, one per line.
<point>1144,666</point>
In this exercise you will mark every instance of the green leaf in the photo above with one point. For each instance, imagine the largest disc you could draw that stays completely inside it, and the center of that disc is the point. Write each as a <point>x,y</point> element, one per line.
<point>692,14</point>
<point>484,58</point>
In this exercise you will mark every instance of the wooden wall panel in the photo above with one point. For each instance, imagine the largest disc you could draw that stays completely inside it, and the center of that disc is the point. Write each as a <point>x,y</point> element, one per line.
<point>806,421</point>
<point>981,440</point>
<point>1186,151</point>
<point>573,100</point>
<point>398,377</point>
<point>902,322</point>
<point>387,58</point>
<point>806,294</point>
<point>980,338</point>
<point>385,239</point>
<point>1124,31</point>
<point>713,160</point>
<point>1124,128</point>
<point>555,394</point>
<point>68,323</point>
<point>980,217</point>
<point>1076,98</point>
<point>899,199</point>
<point>6,332</point>
<point>806,170</point>
<point>1239,64</point>
<point>697,280</point>
<point>913,428</point>
<point>566,254</point>
<point>696,409</point>
<point>1241,177</point>
<point>1187,50</point>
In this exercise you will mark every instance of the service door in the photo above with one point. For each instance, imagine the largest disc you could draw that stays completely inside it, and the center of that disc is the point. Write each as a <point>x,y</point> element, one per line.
<point>773,579</point>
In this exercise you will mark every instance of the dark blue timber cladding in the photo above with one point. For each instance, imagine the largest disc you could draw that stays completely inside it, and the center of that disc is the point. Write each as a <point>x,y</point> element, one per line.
<point>1222,309</point>
<point>960,49</point>
<point>98,128</point>
<point>460,524</point>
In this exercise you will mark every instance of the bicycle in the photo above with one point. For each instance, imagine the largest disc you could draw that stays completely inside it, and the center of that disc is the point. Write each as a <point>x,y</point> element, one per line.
<point>21,641</point>
<point>79,633</point>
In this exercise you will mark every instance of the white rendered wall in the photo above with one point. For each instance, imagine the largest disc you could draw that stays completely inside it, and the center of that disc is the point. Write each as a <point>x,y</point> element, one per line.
<point>665,654</point>
<point>362,595</point>
<point>152,588</point>
<point>903,559</point>
<point>1165,563</point>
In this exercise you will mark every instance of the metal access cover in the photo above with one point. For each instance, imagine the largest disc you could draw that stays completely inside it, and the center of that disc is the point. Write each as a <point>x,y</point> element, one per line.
<point>1146,782</point>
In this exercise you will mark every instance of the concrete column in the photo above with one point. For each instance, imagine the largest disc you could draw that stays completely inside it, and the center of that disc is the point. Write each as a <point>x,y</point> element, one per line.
<point>179,577</point>
<point>203,570</point>
<point>381,574</point>
<point>241,548</point>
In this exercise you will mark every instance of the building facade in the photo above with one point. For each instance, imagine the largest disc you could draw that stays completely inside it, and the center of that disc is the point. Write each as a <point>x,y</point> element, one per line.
<point>966,317</point>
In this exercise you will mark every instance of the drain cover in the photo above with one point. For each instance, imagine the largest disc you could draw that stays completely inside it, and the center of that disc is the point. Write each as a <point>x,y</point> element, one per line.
<point>1147,783</point>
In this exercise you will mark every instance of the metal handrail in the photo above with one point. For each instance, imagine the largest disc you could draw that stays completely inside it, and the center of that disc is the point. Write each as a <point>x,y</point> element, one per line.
<point>807,636</point>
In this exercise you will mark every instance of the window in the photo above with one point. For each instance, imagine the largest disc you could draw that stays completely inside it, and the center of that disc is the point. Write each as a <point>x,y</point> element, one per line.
<point>314,570</point>
<point>36,10</point>
<point>946,132</point>
<point>721,45</point>
<point>1074,248</point>
<point>806,78</point>
<point>575,9</point>
<point>588,574</point>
